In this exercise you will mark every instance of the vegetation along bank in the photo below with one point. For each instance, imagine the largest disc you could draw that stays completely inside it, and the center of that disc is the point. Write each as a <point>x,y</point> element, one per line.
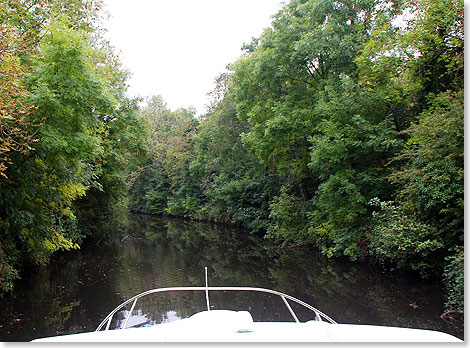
<point>341,127</point>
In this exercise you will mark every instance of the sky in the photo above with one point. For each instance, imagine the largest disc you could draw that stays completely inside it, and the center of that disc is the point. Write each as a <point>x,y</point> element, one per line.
<point>176,48</point>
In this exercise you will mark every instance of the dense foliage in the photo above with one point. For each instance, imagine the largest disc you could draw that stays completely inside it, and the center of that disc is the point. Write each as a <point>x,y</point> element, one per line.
<point>341,126</point>
<point>67,130</point>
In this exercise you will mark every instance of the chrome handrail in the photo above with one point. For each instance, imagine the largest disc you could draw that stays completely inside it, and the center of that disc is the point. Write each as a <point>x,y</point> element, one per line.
<point>285,297</point>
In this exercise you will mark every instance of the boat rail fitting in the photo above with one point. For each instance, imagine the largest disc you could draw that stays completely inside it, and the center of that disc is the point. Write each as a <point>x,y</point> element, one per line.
<point>318,314</point>
<point>129,315</point>
<point>207,291</point>
<point>290,309</point>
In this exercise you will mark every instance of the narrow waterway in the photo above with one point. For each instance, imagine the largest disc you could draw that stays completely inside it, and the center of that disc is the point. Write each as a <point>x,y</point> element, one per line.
<point>78,289</point>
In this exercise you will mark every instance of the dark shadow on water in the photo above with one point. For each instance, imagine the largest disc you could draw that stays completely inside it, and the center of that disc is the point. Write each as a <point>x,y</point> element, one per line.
<point>78,289</point>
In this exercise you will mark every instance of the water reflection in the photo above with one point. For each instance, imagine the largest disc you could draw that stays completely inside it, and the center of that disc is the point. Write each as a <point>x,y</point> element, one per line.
<point>75,292</point>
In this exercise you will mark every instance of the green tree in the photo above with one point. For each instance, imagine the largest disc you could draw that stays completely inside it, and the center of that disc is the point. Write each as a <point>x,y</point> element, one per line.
<point>65,80</point>
<point>314,121</point>
<point>18,130</point>
<point>432,178</point>
<point>437,36</point>
<point>422,66</point>
<point>165,185</point>
<point>234,184</point>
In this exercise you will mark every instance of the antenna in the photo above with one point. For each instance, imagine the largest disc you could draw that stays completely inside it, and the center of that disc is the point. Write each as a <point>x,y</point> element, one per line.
<point>207,291</point>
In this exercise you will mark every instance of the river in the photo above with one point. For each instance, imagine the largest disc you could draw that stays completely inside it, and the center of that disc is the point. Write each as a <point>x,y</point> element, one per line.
<point>79,288</point>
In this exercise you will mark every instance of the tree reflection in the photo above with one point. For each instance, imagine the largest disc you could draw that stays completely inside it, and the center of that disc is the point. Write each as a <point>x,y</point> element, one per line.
<point>76,291</point>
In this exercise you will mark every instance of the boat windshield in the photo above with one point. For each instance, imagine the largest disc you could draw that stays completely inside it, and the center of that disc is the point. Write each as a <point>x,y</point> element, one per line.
<point>207,289</point>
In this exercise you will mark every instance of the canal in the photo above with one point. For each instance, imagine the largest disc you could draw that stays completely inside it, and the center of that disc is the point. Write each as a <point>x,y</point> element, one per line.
<point>78,289</point>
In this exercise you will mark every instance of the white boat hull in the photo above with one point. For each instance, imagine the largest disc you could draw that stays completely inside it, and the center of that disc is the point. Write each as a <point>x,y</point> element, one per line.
<point>231,326</point>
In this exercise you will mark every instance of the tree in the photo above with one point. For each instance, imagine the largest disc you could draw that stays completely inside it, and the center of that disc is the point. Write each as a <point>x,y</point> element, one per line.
<point>432,177</point>
<point>17,131</point>
<point>234,184</point>
<point>164,185</point>
<point>66,105</point>
<point>314,121</point>
<point>437,34</point>
<point>425,71</point>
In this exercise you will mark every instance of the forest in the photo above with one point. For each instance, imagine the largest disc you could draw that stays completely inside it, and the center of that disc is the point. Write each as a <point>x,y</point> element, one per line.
<point>340,128</point>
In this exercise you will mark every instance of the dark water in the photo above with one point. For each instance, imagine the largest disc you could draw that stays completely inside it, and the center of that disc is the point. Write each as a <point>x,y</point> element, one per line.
<point>78,289</point>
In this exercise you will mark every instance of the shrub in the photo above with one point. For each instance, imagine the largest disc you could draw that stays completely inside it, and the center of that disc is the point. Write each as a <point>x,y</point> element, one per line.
<point>403,239</point>
<point>7,273</point>
<point>454,281</point>
<point>288,219</point>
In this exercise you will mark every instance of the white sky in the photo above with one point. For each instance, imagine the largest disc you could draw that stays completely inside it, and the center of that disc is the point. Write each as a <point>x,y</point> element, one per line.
<point>176,48</point>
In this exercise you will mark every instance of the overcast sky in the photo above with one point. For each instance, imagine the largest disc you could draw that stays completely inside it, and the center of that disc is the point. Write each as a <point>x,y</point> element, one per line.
<point>176,48</point>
